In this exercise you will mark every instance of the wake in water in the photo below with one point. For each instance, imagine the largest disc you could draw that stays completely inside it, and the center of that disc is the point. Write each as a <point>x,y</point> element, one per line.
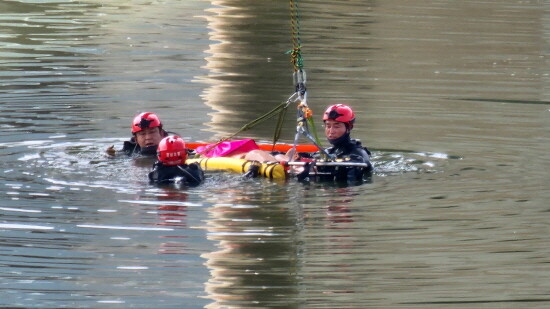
<point>388,163</point>
<point>83,163</point>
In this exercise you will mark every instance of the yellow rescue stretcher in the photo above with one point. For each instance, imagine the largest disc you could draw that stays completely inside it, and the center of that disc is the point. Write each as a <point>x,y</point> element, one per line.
<point>271,170</point>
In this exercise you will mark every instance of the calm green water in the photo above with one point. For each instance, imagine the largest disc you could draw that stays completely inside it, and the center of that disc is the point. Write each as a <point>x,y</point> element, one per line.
<point>452,97</point>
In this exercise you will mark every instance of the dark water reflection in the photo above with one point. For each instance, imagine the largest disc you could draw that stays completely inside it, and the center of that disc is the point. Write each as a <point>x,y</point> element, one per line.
<point>452,98</point>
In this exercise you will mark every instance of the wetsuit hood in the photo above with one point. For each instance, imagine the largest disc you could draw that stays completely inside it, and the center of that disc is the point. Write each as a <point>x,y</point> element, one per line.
<point>342,140</point>
<point>148,151</point>
<point>132,148</point>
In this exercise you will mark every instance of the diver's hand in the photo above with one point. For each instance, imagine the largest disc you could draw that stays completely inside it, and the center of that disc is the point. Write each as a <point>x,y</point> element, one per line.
<point>111,151</point>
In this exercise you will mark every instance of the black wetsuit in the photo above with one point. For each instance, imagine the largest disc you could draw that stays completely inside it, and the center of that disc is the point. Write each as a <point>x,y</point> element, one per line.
<point>186,174</point>
<point>131,148</point>
<point>348,150</point>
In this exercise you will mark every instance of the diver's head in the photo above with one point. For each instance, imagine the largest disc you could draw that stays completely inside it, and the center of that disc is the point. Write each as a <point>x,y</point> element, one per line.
<point>172,151</point>
<point>148,132</point>
<point>338,121</point>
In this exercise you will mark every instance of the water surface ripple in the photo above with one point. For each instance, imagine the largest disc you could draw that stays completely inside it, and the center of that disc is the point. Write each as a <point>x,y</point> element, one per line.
<point>452,98</point>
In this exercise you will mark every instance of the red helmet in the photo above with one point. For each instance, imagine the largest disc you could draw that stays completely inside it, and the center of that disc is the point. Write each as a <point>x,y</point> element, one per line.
<point>172,151</point>
<point>340,113</point>
<point>145,120</point>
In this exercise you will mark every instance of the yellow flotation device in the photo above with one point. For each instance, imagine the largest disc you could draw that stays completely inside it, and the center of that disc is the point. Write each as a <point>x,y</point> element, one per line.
<point>272,170</point>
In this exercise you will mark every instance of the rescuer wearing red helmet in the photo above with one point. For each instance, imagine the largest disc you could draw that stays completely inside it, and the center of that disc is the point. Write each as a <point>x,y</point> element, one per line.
<point>171,167</point>
<point>338,122</point>
<point>147,132</point>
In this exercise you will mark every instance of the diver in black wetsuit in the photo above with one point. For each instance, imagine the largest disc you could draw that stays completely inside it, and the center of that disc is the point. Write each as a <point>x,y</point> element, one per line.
<point>171,167</point>
<point>338,122</point>
<point>147,132</point>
